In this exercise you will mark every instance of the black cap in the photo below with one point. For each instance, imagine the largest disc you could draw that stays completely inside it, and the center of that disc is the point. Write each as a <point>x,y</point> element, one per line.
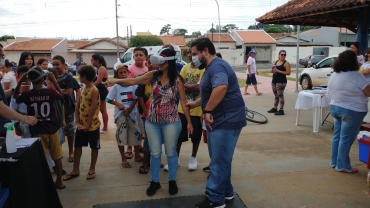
<point>35,74</point>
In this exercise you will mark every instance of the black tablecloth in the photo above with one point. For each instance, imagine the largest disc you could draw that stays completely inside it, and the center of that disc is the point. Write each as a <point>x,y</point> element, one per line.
<point>29,179</point>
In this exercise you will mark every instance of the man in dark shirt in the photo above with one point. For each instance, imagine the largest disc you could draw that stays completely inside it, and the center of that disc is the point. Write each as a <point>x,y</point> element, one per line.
<point>224,113</point>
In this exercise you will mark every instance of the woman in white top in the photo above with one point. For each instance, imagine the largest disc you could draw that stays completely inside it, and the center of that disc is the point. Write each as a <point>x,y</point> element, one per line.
<point>349,91</point>
<point>8,81</point>
<point>356,47</point>
<point>366,65</point>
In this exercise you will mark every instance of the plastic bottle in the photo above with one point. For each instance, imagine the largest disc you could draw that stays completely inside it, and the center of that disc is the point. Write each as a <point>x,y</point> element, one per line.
<point>11,147</point>
<point>274,67</point>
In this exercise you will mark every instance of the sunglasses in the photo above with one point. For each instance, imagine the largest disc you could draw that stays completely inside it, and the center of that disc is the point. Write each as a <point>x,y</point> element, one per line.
<point>283,54</point>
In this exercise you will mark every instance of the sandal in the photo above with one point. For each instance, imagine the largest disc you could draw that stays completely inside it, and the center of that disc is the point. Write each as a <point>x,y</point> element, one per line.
<point>128,155</point>
<point>90,176</point>
<point>71,159</point>
<point>354,170</point>
<point>126,165</point>
<point>246,93</point>
<point>143,169</point>
<point>260,93</point>
<point>70,176</point>
<point>59,187</point>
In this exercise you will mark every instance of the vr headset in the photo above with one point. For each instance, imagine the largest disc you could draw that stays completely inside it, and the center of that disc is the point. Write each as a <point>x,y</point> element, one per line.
<point>159,60</point>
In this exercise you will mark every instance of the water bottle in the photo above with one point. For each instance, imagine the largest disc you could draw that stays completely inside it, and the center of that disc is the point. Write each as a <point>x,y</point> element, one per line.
<point>274,67</point>
<point>11,147</point>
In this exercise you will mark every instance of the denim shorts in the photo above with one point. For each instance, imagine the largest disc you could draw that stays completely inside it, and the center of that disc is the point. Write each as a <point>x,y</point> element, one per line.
<point>251,80</point>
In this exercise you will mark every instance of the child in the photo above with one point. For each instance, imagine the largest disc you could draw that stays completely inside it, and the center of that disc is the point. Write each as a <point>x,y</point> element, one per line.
<point>87,122</point>
<point>40,103</point>
<point>68,84</point>
<point>124,98</point>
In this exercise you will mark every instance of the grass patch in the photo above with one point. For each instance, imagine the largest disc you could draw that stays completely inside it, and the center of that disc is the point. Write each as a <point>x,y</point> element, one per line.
<point>241,82</point>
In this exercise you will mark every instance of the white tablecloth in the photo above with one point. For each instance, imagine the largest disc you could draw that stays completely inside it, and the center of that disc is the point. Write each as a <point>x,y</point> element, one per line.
<point>318,100</point>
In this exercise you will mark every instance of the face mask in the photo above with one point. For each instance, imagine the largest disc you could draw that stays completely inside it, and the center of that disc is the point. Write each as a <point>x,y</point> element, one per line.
<point>197,62</point>
<point>2,62</point>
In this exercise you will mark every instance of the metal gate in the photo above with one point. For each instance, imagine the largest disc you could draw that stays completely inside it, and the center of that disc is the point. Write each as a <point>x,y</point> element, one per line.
<point>263,53</point>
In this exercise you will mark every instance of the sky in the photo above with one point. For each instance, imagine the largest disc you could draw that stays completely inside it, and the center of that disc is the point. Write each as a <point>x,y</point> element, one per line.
<point>87,19</point>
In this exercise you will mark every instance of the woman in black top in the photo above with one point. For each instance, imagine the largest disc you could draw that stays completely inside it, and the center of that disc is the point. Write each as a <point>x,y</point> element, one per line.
<point>280,69</point>
<point>101,76</point>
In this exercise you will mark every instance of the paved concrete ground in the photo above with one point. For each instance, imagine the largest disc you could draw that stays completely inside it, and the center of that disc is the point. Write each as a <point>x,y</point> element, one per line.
<point>276,164</point>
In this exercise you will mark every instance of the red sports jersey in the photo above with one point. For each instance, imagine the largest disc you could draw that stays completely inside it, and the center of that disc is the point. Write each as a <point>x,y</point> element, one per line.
<point>40,103</point>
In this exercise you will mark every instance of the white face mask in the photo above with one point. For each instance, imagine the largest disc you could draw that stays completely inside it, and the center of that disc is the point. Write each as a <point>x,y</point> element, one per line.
<point>2,62</point>
<point>196,61</point>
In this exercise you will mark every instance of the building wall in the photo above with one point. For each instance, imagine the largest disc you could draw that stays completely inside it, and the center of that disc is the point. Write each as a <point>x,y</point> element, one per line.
<point>13,55</point>
<point>62,49</point>
<point>229,45</point>
<point>327,35</point>
<point>235,57</point>
<point>101,45</point>
<point>288,40</point>
<point>236,37</point>
<point>303,52</point>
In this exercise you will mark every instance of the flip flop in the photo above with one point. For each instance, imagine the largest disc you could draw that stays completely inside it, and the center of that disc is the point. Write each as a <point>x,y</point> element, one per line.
<point>260,93</point>
<point>126,165</point>
<point>129,155</point>
<point>143,169</point>
<point>71,159</point>
<point>70,176</point>
<point>90,176</point>
<point>104,132</point>
<point>58,187</point>
<point>246,93</point>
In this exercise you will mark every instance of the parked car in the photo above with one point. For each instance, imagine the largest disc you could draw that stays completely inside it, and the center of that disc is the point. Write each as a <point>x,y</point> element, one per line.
<point>315,59</point>
<point>318,74</point>
<point>72,70</point>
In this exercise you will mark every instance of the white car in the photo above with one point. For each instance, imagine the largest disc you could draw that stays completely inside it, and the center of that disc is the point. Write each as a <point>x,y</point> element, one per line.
<point>317,75</point>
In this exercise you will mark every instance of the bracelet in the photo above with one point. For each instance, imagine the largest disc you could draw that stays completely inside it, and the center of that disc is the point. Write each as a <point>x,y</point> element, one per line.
<point>205,112</point>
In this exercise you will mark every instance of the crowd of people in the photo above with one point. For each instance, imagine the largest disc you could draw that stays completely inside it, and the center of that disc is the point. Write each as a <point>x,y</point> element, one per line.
<point>158,102</point>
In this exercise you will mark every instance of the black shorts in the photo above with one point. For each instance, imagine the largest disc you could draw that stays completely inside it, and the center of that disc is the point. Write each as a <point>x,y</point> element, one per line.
<point>88,137</point>
<point>197,132</point>
<point>103,93</point>
<point>251,80</point>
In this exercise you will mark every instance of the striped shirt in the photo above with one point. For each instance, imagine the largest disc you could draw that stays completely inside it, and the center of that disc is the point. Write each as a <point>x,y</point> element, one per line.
<point>163,108</point>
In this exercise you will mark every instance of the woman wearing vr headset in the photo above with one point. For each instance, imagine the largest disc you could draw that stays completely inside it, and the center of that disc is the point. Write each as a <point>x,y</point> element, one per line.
<point>162,124</point>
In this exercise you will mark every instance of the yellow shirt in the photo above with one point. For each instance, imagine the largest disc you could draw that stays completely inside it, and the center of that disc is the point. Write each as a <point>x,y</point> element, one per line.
<point>85,105</point>
<point>191,76</point>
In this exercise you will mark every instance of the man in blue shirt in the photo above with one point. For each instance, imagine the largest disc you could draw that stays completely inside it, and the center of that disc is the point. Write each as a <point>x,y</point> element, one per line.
<point>224,113</point>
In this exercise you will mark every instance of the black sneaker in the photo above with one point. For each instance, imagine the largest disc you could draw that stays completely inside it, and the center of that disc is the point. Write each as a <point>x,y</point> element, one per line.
<point>228,197</point>
<point>279,113</point>
<point>207,169</point>
<point>210,204</point>
<point>172,188</point>
<point>273,110</point>
<point>63,171</point>
<point>154,186</point>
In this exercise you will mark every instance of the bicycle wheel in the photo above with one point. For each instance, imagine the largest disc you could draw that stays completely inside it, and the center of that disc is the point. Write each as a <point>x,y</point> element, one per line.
<point>255,117</point>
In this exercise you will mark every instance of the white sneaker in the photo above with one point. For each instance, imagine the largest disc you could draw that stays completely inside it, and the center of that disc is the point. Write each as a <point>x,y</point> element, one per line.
<point>178,164</point>
<point>193,164</point>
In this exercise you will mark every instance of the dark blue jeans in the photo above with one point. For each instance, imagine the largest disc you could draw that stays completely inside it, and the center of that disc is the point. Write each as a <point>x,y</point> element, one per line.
<point>221,146</point>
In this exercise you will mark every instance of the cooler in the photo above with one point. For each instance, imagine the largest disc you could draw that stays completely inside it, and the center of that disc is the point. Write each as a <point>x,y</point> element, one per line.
<point>363,139</point>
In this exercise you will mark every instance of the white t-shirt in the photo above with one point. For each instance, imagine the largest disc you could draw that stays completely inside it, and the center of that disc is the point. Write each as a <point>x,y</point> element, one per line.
<point>252,62</point>
<point>360,59</point>
<point>9,77</point>
<point>124,95</point>
<point>346,90</point>
<point>364,66</point>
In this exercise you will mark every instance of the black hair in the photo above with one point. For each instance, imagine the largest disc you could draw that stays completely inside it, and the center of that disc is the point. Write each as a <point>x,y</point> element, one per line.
<point>281,52</point>
<point>24,56</point>
<point>168,46</point>
<point>41,60</point>
<point>100,59</point>
<point>367,51</point>
<point>202,43</point>
<point>22,69</point>
<point>346,61</point>
<point>54,71</point>
<point>8,63</point>
<point>358,46</point>
<point>145,52</point>
<point>119,67</point>
<point>1,46</point>
<point>148,57</point>
<point>172,70</point>
<point>60,58</point>
<point>88,72</point>
<point>219,55</point>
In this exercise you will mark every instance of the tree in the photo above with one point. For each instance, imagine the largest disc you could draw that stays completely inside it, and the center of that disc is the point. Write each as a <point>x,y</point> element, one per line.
<point>139,41</point>
<point>196,34</point>
<point>189,43</point>
<point>230,27</point>
<point>165,29</point>
<point>6,37</point>
<point>215,30</point>
<point>180,32</point>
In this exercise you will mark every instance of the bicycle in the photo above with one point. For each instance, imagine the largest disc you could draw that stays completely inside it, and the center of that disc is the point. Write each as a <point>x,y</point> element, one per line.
<point>255,117</point>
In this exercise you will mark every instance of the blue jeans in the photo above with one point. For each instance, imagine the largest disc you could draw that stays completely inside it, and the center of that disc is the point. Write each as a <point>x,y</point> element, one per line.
<point>221,146</point>
<point>146,143</point>
<point>347,124</point>
<point>166,134</point>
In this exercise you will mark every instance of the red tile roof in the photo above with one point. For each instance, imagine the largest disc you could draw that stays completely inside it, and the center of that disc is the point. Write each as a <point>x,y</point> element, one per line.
<point>33,45</point>
<point>102,40</point>
<point>278,35</point>
<point>177,40</point>
<point>224,37</point>
<point>77,43</point>
<point>255,37</point>
<point>316,13</point>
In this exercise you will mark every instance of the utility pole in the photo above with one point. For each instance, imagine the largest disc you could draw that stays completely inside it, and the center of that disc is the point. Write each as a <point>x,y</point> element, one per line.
<point>128,39</point>
<point>219,25</point>
<point>130,31</point>
<point>297,60</point>
<point>212,32</point>
<point>117,31</point>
